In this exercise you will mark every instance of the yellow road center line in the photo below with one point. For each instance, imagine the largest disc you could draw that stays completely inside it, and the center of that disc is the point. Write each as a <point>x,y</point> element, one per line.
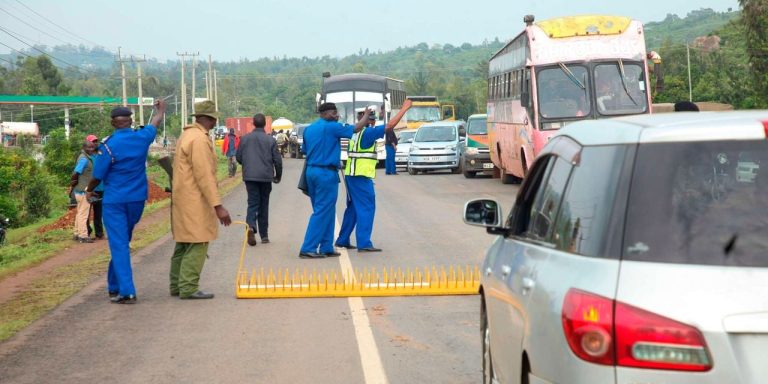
<point>373,369</point>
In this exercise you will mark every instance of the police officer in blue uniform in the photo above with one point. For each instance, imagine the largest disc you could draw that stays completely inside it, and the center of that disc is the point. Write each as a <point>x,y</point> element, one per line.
<point>323,149</point>
<point>358,175</point>
<point>121,166</point>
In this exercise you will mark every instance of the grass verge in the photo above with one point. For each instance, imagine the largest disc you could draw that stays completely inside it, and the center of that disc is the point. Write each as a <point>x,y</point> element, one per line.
<point>47,292</point>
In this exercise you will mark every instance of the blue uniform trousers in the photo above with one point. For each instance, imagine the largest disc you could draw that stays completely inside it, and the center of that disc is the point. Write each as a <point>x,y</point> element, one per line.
<point>361,208</point>
<point>120,218</point>
<point>389,161</point>
<point>323,186</point>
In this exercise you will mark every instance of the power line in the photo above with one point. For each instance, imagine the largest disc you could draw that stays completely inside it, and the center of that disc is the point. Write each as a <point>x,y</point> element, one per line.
<point>60,27</point>
<point>33,27</point>
<point>15,50</point>
<point>43,52</point>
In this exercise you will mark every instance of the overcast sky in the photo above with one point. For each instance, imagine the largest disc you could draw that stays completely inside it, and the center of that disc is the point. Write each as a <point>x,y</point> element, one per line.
<point>230,30</point>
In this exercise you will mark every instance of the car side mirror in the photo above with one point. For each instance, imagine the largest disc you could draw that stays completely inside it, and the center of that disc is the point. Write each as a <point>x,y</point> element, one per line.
<point>482,213</point>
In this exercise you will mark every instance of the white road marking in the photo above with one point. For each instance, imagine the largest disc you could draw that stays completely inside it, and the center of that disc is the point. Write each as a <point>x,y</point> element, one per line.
<point>373,370</point>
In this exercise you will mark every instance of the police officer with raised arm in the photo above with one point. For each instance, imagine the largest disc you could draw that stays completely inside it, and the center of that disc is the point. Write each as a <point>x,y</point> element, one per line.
<point>121,166</point>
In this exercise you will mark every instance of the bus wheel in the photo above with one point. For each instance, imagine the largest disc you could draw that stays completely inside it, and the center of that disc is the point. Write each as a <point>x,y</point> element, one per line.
<point>506,178</point>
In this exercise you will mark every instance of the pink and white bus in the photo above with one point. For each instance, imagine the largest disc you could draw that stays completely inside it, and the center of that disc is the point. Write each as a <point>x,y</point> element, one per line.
<point>559,71</point>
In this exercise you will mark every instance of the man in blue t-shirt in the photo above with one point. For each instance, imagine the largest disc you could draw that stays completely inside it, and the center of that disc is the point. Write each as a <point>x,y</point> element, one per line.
<point>121,166</point>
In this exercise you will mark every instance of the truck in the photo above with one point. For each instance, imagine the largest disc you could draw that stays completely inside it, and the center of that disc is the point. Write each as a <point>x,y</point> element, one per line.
<point>427,109</point>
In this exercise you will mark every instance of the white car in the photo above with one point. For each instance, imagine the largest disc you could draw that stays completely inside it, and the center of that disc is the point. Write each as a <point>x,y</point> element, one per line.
<point>636,252</point>
<point>404,140</point>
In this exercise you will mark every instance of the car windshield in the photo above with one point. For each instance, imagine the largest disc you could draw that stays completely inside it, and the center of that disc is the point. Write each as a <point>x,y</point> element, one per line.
<point>423,114</point>
<point>620,88</point>
<point>477,127</point>
<point>563,92</point>
<point>300,130</point>
<point>427,134</point>
<point>404,136</point>
<point>699,203</point>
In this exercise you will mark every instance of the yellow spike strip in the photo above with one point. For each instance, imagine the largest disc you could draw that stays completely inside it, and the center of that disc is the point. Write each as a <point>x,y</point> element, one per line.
<point>393,281</point>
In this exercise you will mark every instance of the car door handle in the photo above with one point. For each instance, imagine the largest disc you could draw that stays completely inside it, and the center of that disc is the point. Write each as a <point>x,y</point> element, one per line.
<point>506,270</point>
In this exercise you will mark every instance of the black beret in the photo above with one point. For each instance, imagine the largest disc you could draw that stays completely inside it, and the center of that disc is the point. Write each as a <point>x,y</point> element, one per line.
<point>121,111</point>
<point>326,107</point>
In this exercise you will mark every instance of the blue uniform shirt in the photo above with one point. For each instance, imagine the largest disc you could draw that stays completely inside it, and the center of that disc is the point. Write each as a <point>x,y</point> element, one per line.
<point>122,169</point>
<point>321,142</point>
<point>370,135</point>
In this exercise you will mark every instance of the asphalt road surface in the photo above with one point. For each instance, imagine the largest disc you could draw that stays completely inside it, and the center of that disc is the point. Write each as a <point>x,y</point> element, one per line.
<point>162,339</point>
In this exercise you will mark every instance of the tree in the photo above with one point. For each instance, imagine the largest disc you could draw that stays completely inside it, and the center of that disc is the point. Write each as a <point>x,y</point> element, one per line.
<point>754,15</point>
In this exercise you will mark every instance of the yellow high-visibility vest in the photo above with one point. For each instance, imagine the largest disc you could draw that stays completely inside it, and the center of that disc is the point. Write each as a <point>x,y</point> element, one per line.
<point>361,161</point>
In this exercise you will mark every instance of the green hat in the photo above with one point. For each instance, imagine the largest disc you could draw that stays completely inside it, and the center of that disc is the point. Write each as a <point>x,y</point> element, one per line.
<point>206,108</point>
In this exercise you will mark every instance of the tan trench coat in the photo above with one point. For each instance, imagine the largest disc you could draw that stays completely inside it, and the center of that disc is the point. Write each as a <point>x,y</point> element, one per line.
<point>195,191</point>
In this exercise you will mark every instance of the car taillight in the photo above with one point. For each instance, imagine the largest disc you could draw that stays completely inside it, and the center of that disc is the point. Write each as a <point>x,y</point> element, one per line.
<point>588,325</point>
<point>765,126</point>
<point>647,340</point>
<point>603,331</point>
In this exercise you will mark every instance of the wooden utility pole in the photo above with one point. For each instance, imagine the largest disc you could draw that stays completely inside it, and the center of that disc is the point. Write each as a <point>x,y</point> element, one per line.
<point>215,91</point>
<point>184,110</point>
<point>209,80</point>
<point>194,64</point>
<point>141,92</point>
<point>122,75</point>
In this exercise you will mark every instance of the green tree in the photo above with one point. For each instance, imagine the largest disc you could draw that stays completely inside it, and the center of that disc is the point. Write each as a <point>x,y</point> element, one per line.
<point>754,16</point>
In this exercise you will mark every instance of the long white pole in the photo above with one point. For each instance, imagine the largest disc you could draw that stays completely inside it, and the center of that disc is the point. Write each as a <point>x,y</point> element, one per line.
<point>690,89</point>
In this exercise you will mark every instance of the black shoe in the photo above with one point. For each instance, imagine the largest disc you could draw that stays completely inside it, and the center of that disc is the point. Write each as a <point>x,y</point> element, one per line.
<point>113,294</point>
<point>84,240</point>
<point>369,249</point>
<point>348,246</point>
<point>251,237</point>
<point>199,295</point>
<point>130,299</point>
<point>99,237</point>
<point>265,240</point>
<point>332,254</point>
<point>311,255</point>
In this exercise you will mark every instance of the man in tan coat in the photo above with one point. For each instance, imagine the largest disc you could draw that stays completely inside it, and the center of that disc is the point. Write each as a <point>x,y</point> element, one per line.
<point>196,204</point>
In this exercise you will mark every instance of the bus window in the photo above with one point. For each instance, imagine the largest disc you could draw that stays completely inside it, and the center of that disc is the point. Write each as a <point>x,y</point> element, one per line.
<point>620,95</point>
<point>563,92</point>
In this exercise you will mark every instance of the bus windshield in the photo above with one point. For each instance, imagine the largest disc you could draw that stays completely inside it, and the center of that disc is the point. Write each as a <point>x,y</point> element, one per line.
<point>428,114</point>
<point>563,92</point>
<point>343,101</point>
<point>620,88</point>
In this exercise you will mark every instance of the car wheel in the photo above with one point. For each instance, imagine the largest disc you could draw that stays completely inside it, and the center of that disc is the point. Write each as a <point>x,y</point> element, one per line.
<point>469,174</point>
<point>456,170</point>
<point>293,154</point>
<point>489,377</point>
<point>412,171</point>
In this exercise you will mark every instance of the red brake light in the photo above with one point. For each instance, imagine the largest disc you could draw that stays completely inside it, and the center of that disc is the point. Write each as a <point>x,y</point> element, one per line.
<point>588,325</point>
<point>603,331</point>
<point>647,340</point>
<point>765,126</point>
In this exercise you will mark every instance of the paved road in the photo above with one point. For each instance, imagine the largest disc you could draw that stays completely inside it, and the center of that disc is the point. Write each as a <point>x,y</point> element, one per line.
<point>372,340</point>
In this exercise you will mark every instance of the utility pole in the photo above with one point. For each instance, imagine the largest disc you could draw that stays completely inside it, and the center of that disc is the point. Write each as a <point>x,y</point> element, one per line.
<point>209,79</point>
<point>194,64</point>
<point>141,94</point>
<point>122,75</point>
<point>184,116</point>
<point>688,54</point>
<point>215,91</point>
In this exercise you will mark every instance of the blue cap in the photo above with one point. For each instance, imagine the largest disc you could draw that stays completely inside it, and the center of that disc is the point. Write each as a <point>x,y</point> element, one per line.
<point>121,111</point>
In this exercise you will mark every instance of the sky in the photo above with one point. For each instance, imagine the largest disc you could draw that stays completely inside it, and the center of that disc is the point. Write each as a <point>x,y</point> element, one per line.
<point>231,30</point>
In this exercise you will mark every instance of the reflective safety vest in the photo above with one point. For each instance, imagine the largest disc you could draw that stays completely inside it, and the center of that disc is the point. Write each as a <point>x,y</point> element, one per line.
<point>361,161</point>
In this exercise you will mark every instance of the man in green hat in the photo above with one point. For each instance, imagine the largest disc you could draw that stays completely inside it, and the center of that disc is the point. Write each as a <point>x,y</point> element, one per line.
<point>196,204</point>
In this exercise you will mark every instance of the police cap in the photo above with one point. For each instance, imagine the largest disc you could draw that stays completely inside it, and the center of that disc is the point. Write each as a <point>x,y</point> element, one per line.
<point>120,111</point>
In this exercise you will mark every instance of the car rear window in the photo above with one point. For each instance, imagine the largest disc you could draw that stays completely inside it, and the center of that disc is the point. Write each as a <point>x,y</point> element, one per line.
<point>699,203</point>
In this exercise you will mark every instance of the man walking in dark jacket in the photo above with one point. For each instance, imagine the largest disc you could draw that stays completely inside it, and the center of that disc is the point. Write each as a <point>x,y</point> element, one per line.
<point>262,166</point>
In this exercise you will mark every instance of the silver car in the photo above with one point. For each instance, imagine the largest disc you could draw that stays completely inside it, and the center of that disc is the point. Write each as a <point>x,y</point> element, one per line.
<point>437,146</point>
<point>404,140</point>
<point>636,252</point>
